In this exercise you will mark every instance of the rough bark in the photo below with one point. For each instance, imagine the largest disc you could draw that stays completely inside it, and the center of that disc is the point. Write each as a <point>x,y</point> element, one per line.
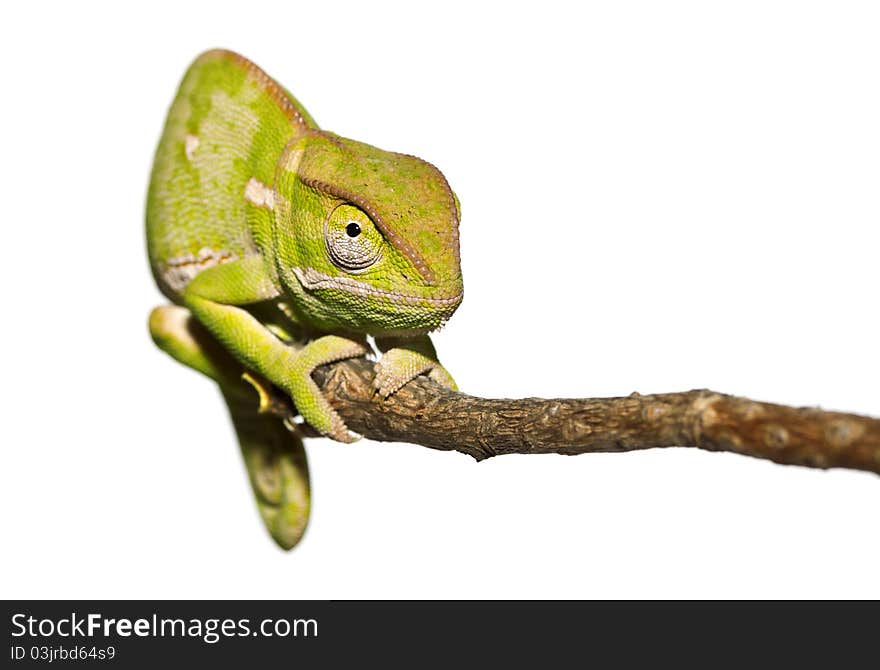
<point>426,414</point>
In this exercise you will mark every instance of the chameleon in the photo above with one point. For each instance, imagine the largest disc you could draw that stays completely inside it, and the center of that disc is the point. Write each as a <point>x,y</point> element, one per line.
<point>283,247</point>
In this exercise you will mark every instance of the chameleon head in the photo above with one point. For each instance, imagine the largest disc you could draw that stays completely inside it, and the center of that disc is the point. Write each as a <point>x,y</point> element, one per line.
<point>366,239</point>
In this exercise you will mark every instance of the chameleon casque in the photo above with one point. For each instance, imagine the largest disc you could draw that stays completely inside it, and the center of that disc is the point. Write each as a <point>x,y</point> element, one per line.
<point>282,247</point>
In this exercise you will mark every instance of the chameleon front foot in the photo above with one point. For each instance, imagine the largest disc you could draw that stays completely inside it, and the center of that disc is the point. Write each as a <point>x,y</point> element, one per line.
<point>331,425</point>
<point>267,404</point>
<point>403,361</point>
<point>310,402</point>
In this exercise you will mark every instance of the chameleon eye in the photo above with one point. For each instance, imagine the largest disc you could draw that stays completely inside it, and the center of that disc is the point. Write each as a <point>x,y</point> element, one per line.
<point>352,241</point>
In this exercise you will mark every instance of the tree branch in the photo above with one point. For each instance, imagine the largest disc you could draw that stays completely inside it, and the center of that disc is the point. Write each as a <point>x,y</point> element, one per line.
<point>424,413</point>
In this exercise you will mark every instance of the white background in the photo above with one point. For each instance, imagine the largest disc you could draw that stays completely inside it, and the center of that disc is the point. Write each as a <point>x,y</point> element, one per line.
<point>656,197</point>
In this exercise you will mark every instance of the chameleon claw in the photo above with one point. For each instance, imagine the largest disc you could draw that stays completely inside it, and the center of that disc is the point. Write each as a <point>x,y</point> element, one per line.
<point>261,387</point>
<point>387,382</point>
<point>340,432</point>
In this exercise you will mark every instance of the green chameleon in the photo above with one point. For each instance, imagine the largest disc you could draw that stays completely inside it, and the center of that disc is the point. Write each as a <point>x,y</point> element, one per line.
<point>283,247</point>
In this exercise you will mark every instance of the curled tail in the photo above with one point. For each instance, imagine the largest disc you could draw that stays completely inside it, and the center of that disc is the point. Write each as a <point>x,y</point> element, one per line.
<point>276,463</point>
<point>273,454</point>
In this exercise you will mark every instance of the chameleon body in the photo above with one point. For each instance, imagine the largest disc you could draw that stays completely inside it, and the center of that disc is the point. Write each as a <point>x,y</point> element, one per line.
<point>282,247</point>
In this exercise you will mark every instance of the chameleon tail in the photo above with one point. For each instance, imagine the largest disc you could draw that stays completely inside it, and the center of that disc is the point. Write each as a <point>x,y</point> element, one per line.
<point>274,455</point>
<point>276,463</point>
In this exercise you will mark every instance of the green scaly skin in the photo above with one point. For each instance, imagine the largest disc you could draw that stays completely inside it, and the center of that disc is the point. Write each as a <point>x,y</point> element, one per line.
<point>283,246</point>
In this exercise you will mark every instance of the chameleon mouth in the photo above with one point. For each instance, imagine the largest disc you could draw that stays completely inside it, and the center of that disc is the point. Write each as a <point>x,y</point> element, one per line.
<point>313,279</point>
